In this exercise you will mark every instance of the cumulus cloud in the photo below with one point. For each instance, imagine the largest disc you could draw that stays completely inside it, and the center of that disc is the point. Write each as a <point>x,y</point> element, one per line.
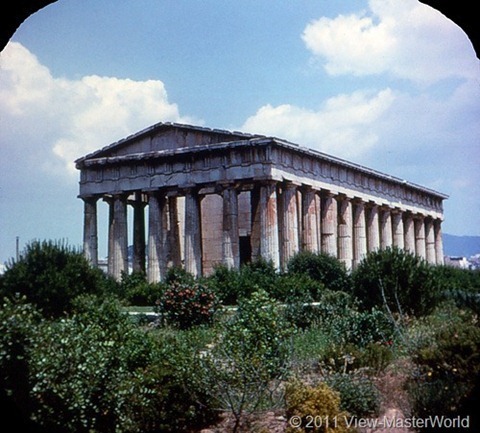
<point>342,126</point>
<point>403,38</point>
<point>55,120</point>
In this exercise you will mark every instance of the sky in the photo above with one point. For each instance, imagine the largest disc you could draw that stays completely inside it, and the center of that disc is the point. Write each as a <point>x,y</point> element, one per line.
<point>389,84</point>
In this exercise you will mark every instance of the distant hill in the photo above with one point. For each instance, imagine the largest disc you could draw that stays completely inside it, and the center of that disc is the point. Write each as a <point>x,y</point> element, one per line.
<point>465,246</point>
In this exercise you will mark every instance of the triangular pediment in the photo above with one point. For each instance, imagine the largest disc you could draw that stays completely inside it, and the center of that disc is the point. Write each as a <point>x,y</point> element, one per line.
<point>166,136</point>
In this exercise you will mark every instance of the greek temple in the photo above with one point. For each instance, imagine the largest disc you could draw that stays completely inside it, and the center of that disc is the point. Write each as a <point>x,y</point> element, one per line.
<point>200,197</point>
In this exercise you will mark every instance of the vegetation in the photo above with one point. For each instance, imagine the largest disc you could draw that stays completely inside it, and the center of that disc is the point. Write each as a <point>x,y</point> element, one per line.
<point>313,341</point>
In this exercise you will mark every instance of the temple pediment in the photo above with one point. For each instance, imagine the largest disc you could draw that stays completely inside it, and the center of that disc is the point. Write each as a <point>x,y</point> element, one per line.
<point>165,136</point>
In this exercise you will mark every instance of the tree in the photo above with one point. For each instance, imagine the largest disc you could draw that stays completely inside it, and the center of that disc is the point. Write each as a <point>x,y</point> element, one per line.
<point>50,275</point>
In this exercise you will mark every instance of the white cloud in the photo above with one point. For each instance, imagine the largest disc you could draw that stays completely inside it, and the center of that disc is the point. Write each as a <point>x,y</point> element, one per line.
<point>342,126</point>
<point>404,38</point>
<point>56,120</point>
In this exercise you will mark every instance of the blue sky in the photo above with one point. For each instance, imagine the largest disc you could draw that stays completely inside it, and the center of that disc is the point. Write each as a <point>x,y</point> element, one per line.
<point>390,84</point>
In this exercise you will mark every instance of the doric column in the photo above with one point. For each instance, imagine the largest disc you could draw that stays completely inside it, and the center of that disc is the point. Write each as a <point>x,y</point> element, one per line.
<point>397,229</point>
<point>386,236</point>
<point>173,234</point>
<point>419,227</point>
<point>90,236</point>
<point>139,243</point>
<point>359,233</point>
<point>310,220</point>
<point>430,241</point>
<point>345,231</point>
<point>329,224</point>
<point>265,239</point>
<point>373,228</point>
<point>290,242</point>
<point>118,237</point>
<point>409,233</point>
<point>230,237</point>
<point>437,227</point>
<point>193,234</point>
<point>157,242</point>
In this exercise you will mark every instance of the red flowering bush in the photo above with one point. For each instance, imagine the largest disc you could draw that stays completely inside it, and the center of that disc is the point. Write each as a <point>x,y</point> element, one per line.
<point>185,305</point>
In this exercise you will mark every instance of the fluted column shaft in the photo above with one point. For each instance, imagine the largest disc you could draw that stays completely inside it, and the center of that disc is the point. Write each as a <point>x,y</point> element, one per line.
<point>329,224</point>
<point>397,230</point>
<point>373,229</point>
<point>173,233</point>
<point>419,227</point>
<point>386,235</point>
<point>290,240</point>
<point>157,243</point>
<point>345,232</point>
<point>437,225</point>
<point>359,233</point>
<point>90,230</point>
<point>430,241</point>
<point>310,221</point>
<point>230,236</point>
<point>409,233</point>
<point>118,237</point>
<point>193,234</point>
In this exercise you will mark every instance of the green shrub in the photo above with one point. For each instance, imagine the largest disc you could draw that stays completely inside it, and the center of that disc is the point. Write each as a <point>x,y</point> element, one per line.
<point>372,359</point>
<point>18,321</point>
<point>397,280</point>
<point>231,285</point>
<point>314,409</point>
<point>321,267</point>
<point>250,357</point>
<point>186,305</point>
<point>358,394</point>
<point>50,275</point>
<point>447,369</point>
<point>135,289</point>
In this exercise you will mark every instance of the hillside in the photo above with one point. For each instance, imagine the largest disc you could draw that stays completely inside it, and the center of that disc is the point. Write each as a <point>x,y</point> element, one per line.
<point>465,246</point>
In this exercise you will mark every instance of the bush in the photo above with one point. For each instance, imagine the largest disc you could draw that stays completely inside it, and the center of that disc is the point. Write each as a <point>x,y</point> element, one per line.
<point>251,356</point>
<point>50,275</point>
<point>447,369</point>
<point>186,305</point>
<point>317,409</point>
<point>397,280</point>
<point>97,372</point>
<point>322,268</point>
<point>358,394</point>
<point>231,285</point>
<point>135,289</point>
<point>18,320</point>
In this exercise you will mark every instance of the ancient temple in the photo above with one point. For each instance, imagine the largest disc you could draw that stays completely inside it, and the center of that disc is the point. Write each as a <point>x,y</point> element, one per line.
<point>201,197</point>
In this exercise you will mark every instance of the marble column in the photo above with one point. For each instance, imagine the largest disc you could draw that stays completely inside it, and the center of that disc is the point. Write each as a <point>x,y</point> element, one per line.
<point>157,242</point>
<point>290,239</point>
<point>230,235</point>
<point>437,227</point>
<point>173,233</point>
<point>310,221</point>
<point>90,231</point>
<point>118,237</point>
<point>359,233</point>
<point>397,229</point>
<point>265,231</point>
<point>430,241</point>
<point>193,233</point>
<point>139,243</point>
<point>373,228</point>
<point>409,233</point>
<point>345,232</point>
<point>419,227</point>
<point>386,235</point>
<point>329,224</point>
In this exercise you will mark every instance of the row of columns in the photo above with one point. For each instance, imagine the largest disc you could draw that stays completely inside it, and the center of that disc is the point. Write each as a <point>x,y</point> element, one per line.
<point>285,218</point>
